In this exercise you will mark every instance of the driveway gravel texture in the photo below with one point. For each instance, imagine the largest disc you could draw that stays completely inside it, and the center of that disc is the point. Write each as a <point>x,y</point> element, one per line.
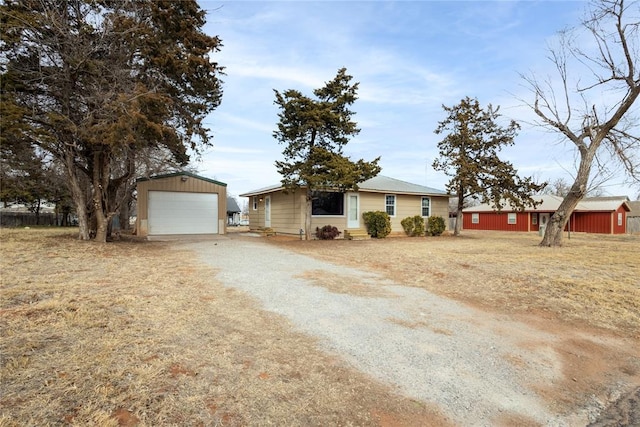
<point>474,365</point>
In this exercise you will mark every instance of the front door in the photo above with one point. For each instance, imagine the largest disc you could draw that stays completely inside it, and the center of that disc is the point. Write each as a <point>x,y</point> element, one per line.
<point>267,211</point>
<point>353,210</point>
<point>544,220</point>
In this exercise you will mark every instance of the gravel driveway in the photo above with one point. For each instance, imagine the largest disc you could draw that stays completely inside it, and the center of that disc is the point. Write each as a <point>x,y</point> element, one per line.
<point>480,368</point>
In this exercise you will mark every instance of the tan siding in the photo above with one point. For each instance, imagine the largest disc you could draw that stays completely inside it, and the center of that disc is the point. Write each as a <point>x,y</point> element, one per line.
<point>406,205</point>
<point>285,213</point>
<point>175,183</point>
<point>288,211</point>
<point>440,207</point>
<point>340,222</point>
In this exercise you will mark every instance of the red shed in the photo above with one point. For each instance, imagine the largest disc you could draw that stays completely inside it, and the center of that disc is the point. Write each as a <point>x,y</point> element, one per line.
<point>606,215</point>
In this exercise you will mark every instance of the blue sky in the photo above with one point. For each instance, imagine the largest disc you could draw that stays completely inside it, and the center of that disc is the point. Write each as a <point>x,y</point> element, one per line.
<point>409,57</point>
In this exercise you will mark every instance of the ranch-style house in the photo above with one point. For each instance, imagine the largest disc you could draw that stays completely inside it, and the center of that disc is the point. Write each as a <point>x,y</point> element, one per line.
<point>283,212</point>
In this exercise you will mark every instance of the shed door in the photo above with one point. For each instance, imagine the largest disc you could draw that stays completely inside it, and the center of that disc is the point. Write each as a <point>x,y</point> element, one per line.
<point>173,212</point>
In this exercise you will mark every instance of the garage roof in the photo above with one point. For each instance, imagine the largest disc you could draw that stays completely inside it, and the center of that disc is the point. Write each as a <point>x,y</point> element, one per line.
<point>187,174</point>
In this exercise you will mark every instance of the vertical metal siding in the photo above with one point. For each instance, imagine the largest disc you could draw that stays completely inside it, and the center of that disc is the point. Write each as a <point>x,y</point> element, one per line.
<point>496,221</point>
<point>591,222</point>
<point>620,229</point>
<point>175,183</point>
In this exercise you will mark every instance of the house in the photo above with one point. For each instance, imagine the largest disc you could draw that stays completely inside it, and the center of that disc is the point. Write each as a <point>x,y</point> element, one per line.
<point>605,215</point>
<point>181,203</point>
<point>284,212</point>
<point>233,212</point>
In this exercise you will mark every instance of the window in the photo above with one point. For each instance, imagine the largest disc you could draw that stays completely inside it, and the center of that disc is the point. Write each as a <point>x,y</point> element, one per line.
<point>327,203</point>
<point>426,206</point>
<point>619,219</point>
<point>255,203</point>
<point>390,204</point>
<point>511,218</point>
<point>534,218</point>
<point>475,218</point>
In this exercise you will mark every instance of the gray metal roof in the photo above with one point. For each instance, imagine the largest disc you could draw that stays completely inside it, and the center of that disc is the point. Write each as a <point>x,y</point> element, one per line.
<point>232,205</point>
<point>552,203</point>
<point>378,184</point>
<point>635,208</point>
<point>384,184</point>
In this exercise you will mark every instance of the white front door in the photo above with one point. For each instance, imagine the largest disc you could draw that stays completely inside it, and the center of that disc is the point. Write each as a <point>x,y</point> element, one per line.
<point>267,211</point>
<point>353,210</point>
<point>544,219</point>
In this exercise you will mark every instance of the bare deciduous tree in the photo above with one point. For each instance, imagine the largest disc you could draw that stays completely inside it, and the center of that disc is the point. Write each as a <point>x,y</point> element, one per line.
<point>590,100</point>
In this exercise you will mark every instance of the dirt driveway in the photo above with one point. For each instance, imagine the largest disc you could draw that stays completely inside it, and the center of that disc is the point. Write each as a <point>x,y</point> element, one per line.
<point>481,368</point>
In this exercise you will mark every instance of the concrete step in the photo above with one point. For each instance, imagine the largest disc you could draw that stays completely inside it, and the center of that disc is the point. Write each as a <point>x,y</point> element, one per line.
<point>356,234</point>
<point>266,231</point>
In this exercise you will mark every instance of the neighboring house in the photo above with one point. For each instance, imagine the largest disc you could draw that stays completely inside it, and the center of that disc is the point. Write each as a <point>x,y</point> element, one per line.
<point>233,212</point>
<point>181,203</point>
<point>605,215</point>
<point>633,217</point>
<point>284,212</point>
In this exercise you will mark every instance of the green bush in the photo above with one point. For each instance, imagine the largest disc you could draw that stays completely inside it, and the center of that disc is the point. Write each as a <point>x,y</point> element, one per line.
<point>328,232</point>
<point>413,225</point>
<point>378,224</point>
<point>435,226</point>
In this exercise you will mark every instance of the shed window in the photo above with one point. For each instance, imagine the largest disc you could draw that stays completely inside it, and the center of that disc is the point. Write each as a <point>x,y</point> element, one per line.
<point>619,219</point>
<point>390,204</point>
<point>511,218</point>
<point>255,203</point>
<point>327,203</point>
<point>426,206</point>
<point>475,218</point>
<point>534,218</point>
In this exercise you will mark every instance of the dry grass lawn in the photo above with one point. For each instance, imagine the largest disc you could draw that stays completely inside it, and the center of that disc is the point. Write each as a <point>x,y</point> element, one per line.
<point>138,333</point>
<point>135,333</point>
<point>592,281</point>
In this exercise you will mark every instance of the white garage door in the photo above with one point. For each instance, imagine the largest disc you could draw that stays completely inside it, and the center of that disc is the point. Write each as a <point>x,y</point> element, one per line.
<point>182,213</point>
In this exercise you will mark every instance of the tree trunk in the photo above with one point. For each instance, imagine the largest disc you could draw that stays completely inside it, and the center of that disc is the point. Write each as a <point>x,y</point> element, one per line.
<point>555,228</point>
<point>78,195</point>
<point>307,216</point>
<point>458,227</point>
<point>100,183</point>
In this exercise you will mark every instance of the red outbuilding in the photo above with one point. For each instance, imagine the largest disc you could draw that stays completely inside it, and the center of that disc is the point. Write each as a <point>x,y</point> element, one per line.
<point>606,215</point>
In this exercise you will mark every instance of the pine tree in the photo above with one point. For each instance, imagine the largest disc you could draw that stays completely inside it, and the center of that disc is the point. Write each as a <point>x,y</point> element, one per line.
<point>315,132</point>
<point>93,83</point>
<point>469,155</point>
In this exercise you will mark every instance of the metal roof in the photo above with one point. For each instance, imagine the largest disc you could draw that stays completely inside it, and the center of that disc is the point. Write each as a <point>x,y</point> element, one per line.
<point>635,208</point>
<point>378,184</point>
<point>384,184</point>
<point>232,205</point>
<point>552,203</point>
<point>174,174</point>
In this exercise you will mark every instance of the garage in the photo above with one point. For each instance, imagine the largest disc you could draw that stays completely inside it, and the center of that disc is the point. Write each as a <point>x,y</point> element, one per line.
<point>182,213</point>
<point>180,204</point>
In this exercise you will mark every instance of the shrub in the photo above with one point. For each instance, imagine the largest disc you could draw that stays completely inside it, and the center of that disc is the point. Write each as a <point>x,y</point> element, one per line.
<point>435,226</point>
<point>378,223</point>
<point>413,225</point>
<point>328,232</point>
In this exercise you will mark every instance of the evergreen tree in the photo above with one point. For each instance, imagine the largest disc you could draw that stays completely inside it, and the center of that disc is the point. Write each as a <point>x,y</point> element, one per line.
<point>469,155</point>
<point>315,132</point>
<point>92,83</point>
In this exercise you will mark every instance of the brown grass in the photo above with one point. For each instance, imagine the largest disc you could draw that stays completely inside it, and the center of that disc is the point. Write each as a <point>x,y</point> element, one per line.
<point>135,333</point>
<point>593,280</point>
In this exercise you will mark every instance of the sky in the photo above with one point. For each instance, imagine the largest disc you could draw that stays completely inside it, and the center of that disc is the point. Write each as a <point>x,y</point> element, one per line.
<point>409,57</point>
